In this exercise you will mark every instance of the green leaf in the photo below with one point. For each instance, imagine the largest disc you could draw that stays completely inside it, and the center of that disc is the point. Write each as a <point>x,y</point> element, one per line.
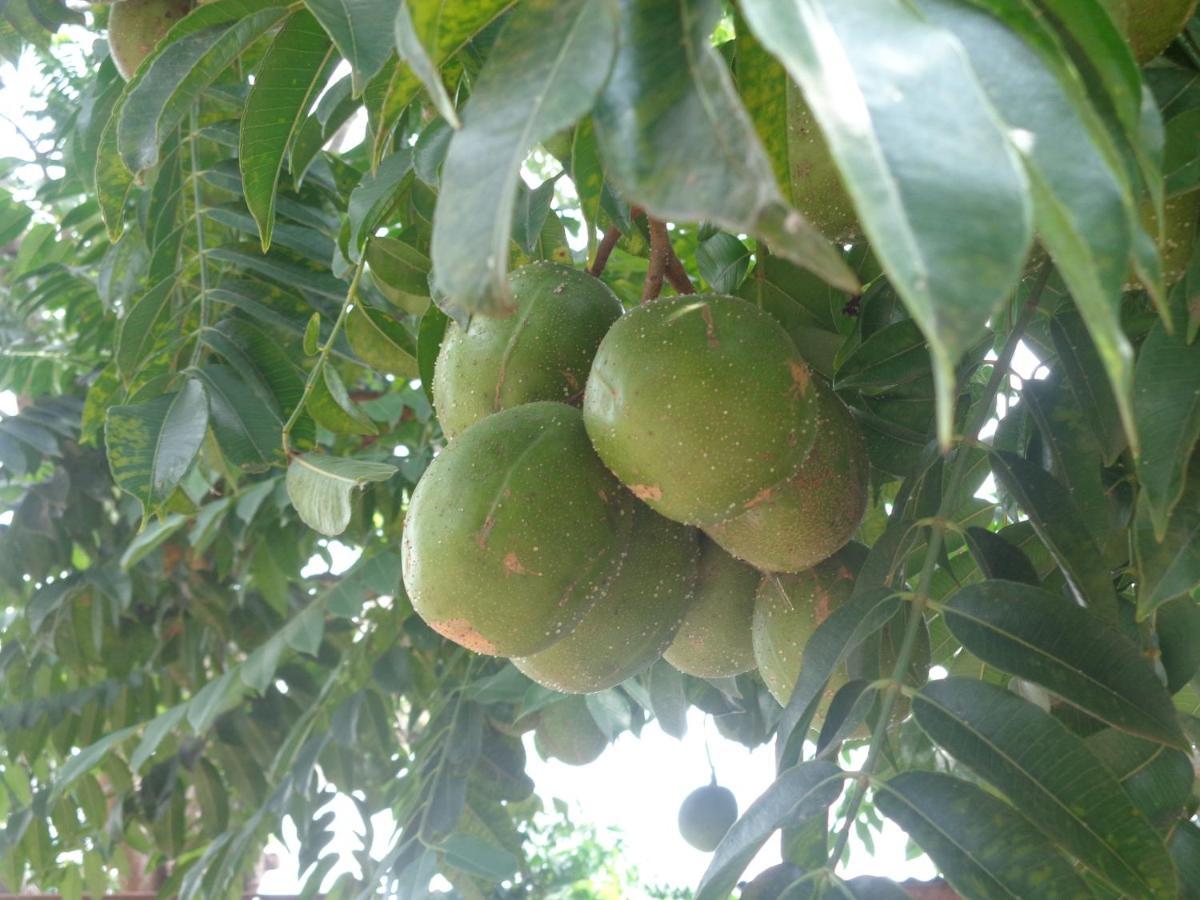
<point>157,729</point>
<point>320,486</point>
<point>1169,565</point>
<point>665,686</point>
<point>669,92</point>
<point>1185,851</point>
<point>166,85</point>
<point>150,538</point>
<point>141,325</point>
<point>797,794</point>
<point>1084,369</point>
<point>1166,386</point>
<point>375,194</point>
<point>949,220</point>
<point>331,407</point>
<point>429,342</point>
<point>723,262</point>
<point>587,171</point>
<point>894,355</point>
<point>983,846</point>
<point>1048,773</point>
<point>543,73</point>
<point>381,342</point>
<point>360,30</point>
<point>152,445</point>
<point>844,629</point>
<point>1047,639</point>
<point>248,430</point>
<point>997,558</point>
<point>212,796</point>
<point>312,335</point>
<point>285,84</point>
<point>1157,779</point>
<point>1083,208</point>
<point>412,51</point>
<point>476,856</point>
<point>85,760</point>
<point>1059,524</point>
<point>401,273</point>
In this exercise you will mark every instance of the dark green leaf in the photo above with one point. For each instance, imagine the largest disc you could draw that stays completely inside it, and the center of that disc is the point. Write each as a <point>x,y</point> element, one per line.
<point>1169,565</point>
<point>1050,641</point>
<point>794,796</point>
<point>140,329</point>
<point>320,486</point>
<point>331,407</point>
<point>312,334</point>
<point>1157,778</point>
<point>401,272</point>
<point>671,91</point>
<point>152,445</point>
<point>983,846</point>
<point>248,431</point>
<point>723,262</point>
<point>475,856</point>
<point>285,84</point>
<point>952,240</point>
<point>429,342</point>
<point>1049,774</point>
<point>1084,369</point>
<point>667,698</point>
<point>361,31</point>
<point>381,342</point>
<point>896,354</point>
<point>543,73</point>
<point>1057,521</point>
<point>997,558</point>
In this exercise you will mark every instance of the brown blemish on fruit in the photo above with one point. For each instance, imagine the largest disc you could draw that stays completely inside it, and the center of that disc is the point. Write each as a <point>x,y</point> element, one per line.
<point>800,377</point>
<point>463,632</point>
<point>646,492</point>
<point>481,536</point>
<point>760,498</point>
<point>710,328</point>
<point>513,566</point>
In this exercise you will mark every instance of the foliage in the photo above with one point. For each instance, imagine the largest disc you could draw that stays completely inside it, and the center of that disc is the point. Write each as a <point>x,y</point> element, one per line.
<point>224,286</point>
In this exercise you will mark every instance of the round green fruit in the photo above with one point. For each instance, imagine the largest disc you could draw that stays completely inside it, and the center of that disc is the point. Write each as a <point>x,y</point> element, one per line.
<point>542,352</point>
<point>1150,25</point>
<point>136,26</point>
<point>699,404</point>
<point>713,640</point>
<point>797,524</point>
<point>706,814</point>
<point>635,620</point>
<point>567,732</point>
<point>770,883</point>
<point>817,188</point>
<point>514,532</point>
<point>788,610</point>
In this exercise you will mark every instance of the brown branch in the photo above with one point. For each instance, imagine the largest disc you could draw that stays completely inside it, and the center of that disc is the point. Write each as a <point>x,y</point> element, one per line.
<point>660,250</point>
<point>677,274</point>
<point>607,244</point>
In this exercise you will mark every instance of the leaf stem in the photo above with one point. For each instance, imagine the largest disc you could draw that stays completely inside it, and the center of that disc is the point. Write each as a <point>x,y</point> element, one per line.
<point>937,535</point>
<point>607,244</point>
<point>322,357</point>
<point>193,125</point>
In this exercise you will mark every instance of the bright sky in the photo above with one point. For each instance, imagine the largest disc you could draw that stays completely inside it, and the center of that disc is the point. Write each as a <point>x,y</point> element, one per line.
<point>638,784</point>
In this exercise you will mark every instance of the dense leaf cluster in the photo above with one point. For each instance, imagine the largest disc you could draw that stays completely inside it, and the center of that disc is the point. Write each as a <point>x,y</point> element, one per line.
<point>225,283</point>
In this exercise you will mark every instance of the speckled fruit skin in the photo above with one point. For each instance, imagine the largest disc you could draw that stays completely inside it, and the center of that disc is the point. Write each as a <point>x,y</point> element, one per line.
<point>817,188</point>
<point>567,732</point>
<point>635,620</point>
<point>713,640</point>
<point>542,352</point>
<point>1181,215</point>
<point>1150,25</point>
<point>136,26</point>
<point>699,404</point>
<point>814,514</point>
<point>514,531</point>
<point>788,610</point>
<point>706,814</point>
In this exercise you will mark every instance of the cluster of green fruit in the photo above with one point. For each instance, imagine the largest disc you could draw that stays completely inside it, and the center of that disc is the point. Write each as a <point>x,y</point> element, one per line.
<point>697,508</point>
<point>136,26</point>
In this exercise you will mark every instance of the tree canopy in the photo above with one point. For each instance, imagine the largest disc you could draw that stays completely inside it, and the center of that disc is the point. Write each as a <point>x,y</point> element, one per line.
<point>227,275</point>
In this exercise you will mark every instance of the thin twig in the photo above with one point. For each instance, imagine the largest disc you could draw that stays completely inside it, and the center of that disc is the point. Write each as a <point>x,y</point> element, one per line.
<point>660,249</point>
<point>607,244</point>
<point>933,550</point>
<point>677,274</point>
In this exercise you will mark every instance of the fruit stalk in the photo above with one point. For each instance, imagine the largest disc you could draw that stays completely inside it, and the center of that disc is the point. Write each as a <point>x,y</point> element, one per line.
<point>937,534</point>
<point>660,245</point>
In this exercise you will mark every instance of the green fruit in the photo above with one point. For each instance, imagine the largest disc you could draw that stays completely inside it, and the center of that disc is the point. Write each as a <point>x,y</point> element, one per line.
<point>807,519</point>
<point>543,352</point>
<point>714,638</point>
<point>788,610</point>
<point>772,882</point>
<point>706,814</point>
<point>514,532</point>
<point>699,404</point>
<point>816,184</point>
<point>136,26</point>
<point>1150,25</point>
<point>566,731</point>
<point>630,627</point>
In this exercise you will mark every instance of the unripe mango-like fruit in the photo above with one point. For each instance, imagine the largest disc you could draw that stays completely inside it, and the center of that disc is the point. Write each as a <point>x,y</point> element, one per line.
<point>699,404</point>
<point>1150,25</point>
<point>541,352</point>
<point>714,639</point>
<point>136,26</point>
<point>514,532</point>
<point>808,518</point>
<point>567,732</point>
<point>636,619</point>
<point>706,814</point>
